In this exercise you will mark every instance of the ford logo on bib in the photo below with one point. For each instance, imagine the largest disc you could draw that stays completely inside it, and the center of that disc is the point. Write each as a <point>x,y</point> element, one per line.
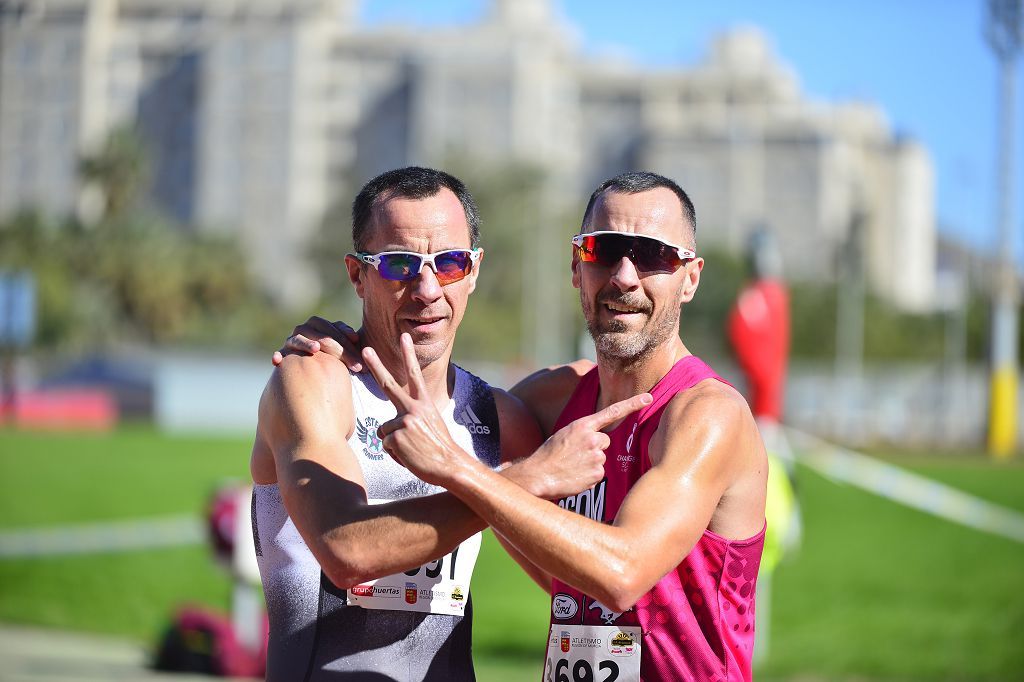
<point>563,606</point>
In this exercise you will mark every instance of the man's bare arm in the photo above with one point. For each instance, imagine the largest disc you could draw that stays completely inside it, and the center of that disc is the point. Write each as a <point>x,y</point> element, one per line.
<point>660,520</point>
<point>306,419</point>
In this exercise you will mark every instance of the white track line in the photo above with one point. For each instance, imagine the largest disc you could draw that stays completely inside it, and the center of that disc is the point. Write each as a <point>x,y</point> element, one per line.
<point>94,538</point>
<point>906,488</point>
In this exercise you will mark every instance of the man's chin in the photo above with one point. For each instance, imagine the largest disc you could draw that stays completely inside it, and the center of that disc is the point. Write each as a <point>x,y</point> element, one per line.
<point>619,345</point>
<point>429,347</point>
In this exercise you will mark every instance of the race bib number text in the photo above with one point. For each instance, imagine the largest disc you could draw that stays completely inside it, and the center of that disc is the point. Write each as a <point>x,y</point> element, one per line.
<point>440,586</point>
<point>593,653</point>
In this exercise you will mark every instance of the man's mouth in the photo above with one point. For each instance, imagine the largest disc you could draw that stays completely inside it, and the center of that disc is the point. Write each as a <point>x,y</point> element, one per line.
<point>617,308</point>
<point>424,323</point>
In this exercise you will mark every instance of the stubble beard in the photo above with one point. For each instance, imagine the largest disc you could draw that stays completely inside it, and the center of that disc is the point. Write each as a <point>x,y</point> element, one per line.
<point>620,347</point>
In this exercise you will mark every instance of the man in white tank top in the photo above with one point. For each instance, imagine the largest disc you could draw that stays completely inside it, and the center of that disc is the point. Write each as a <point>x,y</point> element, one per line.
<point>367,569</point>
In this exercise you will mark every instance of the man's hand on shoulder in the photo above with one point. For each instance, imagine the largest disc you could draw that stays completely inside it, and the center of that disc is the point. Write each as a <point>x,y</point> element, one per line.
<point>317,335</point>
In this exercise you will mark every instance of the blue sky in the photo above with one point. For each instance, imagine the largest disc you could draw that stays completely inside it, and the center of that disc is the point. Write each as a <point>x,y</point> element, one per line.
<point>924,62</point>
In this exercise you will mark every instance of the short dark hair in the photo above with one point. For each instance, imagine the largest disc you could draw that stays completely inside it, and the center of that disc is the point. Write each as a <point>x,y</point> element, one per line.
<point>412,182</point>
<point>634,182</point>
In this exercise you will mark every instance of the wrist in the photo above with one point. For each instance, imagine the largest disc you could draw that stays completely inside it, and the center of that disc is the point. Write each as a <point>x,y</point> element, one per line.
<point>521,473</point>
<point>452,459</point>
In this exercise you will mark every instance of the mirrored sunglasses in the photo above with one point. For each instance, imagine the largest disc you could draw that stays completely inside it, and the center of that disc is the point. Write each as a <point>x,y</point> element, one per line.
<point>401,266</point>
<point>648,254</point>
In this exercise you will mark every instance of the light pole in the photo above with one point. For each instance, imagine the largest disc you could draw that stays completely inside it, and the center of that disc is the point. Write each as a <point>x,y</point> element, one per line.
<point>849,368</point>
<point>1003,32</point>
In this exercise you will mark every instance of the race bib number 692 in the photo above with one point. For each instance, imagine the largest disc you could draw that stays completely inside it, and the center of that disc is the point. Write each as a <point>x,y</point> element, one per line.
<point>592,653</point>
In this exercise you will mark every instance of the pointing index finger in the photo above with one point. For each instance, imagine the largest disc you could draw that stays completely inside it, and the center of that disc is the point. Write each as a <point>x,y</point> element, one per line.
<point>617,411</point>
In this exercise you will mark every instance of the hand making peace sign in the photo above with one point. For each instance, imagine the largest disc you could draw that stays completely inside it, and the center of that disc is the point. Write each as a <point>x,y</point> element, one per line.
<point>572,458</point>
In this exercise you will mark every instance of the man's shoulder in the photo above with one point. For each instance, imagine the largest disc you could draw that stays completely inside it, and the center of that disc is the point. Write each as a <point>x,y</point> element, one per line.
<point>555,382</point>
<point>712,399</point>
<point>546,391</point>
<point>302,383</point>
<point>710,417</point>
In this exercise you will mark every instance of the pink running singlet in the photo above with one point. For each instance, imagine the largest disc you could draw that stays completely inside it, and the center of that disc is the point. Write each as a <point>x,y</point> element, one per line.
<point>697,622</point>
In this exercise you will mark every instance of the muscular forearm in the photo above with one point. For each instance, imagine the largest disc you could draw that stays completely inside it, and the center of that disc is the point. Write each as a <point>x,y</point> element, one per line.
<point>382,539</point>
<point>597,559</point>
<point>538,576</point>
<point>368,541</point>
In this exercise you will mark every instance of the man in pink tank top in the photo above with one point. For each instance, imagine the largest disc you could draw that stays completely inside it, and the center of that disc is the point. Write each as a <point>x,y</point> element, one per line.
<point>652,571</point>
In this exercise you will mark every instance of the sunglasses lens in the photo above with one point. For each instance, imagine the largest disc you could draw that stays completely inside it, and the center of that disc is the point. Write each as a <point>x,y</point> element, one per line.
<point>604,249</point>
<point>648,254</point>
<point>651,254</point>
<point>399,267</point>
<point>452,266</point>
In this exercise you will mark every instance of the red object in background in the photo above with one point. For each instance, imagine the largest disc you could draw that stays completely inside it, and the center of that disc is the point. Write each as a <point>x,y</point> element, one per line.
<point>221,519</point>
<point>62,409</point>
<point>759,331</point>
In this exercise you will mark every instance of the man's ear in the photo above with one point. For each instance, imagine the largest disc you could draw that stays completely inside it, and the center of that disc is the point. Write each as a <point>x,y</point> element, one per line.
<point>356,271</point>
<point>576,277</point>
<point>692,279</point>
<point>475,272</point>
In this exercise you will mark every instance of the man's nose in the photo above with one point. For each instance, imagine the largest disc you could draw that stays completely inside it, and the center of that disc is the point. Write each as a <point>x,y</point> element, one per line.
<point>624,275</point>
<point>425,287</point>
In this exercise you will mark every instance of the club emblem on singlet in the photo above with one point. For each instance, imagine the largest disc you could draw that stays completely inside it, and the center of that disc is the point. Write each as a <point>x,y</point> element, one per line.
<point>632,434</point>
<point>368,436</point>
<point>606,614</point>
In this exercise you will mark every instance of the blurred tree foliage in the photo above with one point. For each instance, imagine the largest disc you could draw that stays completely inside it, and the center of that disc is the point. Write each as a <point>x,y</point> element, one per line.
<point>889,334</point>
<point>130,276</point>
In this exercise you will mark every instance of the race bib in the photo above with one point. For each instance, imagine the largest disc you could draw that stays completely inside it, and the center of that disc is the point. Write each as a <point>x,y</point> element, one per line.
<point>440,586</point>
<point>593,653</point>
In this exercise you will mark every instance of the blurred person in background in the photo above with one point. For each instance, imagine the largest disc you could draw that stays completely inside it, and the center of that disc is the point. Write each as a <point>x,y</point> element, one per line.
<point>652,571</point>
<point>365,567</point>
<point>758,329</point>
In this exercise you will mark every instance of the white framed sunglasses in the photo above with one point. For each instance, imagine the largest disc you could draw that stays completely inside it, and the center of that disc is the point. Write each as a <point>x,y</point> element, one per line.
<point>401,266</point>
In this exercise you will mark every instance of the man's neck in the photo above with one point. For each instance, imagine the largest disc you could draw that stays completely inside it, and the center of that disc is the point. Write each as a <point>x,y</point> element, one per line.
<point>438,376</point>
<point>620,381</point>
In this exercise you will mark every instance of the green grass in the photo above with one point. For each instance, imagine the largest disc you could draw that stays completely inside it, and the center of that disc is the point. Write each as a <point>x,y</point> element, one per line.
<point>884,592</point>
<point>50,479</point>
<point>878,591</point>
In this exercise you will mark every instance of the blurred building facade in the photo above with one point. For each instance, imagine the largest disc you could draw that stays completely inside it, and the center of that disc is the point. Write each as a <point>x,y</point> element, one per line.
<point>257,113</point>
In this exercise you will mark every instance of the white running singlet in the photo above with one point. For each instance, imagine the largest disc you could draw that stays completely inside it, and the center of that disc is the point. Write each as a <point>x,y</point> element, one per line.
<point>406,627</point>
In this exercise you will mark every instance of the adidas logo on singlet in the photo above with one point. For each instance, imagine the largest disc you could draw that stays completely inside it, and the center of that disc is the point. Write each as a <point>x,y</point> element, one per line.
<point>472,422</point>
